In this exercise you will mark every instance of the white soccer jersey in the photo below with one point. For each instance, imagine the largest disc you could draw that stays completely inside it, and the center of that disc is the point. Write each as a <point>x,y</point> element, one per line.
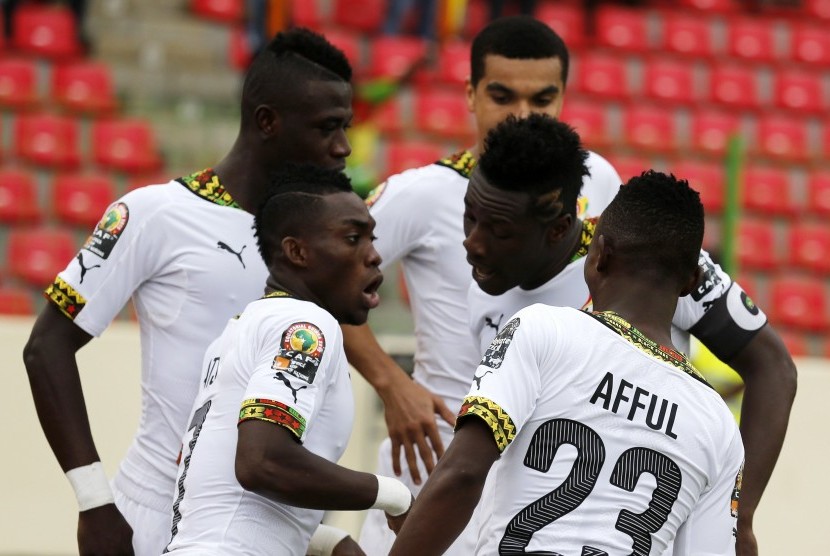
<point>281,361</point>
<point>611,443</point>
<point>188,258</point>
<point>718,312</point>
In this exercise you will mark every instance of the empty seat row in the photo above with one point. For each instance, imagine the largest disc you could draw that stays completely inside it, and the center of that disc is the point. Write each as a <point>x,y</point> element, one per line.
<point>44,30</point>
<point>805,246</point>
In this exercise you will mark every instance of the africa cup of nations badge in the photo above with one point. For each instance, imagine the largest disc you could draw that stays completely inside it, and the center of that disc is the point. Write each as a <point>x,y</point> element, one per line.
<point>108,230</point>
<point>301,351</point>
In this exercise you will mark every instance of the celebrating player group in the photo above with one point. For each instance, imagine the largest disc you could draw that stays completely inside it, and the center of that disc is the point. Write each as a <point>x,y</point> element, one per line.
<point>552,408</point>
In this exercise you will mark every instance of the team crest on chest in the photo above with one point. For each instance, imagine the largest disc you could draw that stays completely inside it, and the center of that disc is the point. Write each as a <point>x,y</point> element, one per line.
<point>301,351</point>
<point>109,229</point>
<point>494,355</point>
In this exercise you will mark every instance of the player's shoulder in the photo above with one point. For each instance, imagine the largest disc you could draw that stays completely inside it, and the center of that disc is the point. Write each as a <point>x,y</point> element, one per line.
<point>544,315</point>
<point>600,168</point>
<point>279,310</point>
<point>425,181</point>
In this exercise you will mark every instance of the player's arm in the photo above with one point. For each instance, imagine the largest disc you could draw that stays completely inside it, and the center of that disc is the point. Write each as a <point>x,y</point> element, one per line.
<point>49,357</point>
<point>446,503</point>
<point>271,462</point>
<point>409,408</point>
<point>769,375</point>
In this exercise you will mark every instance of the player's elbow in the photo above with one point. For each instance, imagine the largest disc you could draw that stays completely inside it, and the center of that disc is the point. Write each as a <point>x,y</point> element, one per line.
<point>35,353</point>
<point>267,477</point>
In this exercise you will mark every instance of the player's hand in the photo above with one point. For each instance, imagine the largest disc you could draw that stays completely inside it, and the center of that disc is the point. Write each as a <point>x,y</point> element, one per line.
<point>347,547</point>
<point>104,531</point>
<point>396,522</point>
<point>410,410</point>
<point>745,542</point>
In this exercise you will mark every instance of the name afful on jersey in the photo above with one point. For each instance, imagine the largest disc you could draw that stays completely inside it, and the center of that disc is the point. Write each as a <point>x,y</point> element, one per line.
<point>108,230</point>
<point>494,355</point>
<point>301,351</point>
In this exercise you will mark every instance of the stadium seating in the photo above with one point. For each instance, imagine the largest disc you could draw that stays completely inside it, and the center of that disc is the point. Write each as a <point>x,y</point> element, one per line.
<point>388,117</point>
<point>81,199</point>
<point>601,75</point>
<point>454,62</point>
<point>650,128</point>
<point>47,140</point>
<point>810,43</point>
<point>706,178</point>
<point>798,302</point>
<point>16,301</point>
<point>719,6</point>
<point>711,130</point>
<point>782,137</point>
<point>84,87</point>
<point>621,28</point>
<point>800,90</point>
<point>818,192</point>
<point>688,35</point>
<point>628,167</point>
<point>734,86</point>
<point>18,197</point>
<point>809,247</point>
<point>306,14</point>
<point>18,83</point>
<point>568,20</point>
<point>125,145</point>
<point>393,57</point>
<point>755,244</point>
<point>225,11</point>
<point>590,120</point>
<point>817,8</point>
<point>37,255</point>
<point>443,112</point>
<point>669,80</point>
<point>403,155</point>
<point>795,342</point>
<point>751,39</point>
<point>767,191</point>
<point>45,30</point>
<point>361,15</point>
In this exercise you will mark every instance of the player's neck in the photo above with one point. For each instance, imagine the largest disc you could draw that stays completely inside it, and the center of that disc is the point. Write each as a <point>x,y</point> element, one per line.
<point>647,310</point>
<point>242,177</point>
<point>560,259</point>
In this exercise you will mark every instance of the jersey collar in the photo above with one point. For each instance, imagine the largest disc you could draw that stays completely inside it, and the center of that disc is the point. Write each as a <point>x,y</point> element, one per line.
<point>276,293</point>
<point>462,162</point>
<point>664,353</point>
<point>205,183</point>
<point>588,227</point>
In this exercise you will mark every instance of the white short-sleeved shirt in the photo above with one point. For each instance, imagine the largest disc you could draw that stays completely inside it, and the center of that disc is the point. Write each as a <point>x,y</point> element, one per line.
<point>281,361</point>
<point>187,257</point>
<point>420,222</point>
<point>611,443</point>
<point>718,312</point>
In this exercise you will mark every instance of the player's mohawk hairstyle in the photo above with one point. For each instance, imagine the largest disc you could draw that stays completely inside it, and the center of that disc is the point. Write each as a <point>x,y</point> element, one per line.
<point>314,48</point>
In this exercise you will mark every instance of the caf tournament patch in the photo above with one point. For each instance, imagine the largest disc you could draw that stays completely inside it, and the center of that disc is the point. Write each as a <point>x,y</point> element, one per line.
<point>109,229</point>
<point>301,351</point>
<point>494,355</point>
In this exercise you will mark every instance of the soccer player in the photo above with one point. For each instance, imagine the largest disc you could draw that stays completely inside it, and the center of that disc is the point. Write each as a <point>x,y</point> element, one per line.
<point>526,246</point>
<point>275,409</point>
<point>607,440</point>
<point>183,251</point>
<point>518,66</point>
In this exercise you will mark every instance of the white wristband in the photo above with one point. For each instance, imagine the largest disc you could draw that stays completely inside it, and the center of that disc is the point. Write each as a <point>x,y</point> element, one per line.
<point>393,496</point>
<point>324,539</point>
<point>92,489</point>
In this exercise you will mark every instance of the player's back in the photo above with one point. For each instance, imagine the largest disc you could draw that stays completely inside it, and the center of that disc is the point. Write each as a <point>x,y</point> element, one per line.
<point>621,445</point>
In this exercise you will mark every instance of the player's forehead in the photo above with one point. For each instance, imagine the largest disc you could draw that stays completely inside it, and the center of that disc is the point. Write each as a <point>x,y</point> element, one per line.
<point>318,97</point>
<point>522,74</point>
<point>488,201</point>
<point>345,210</point>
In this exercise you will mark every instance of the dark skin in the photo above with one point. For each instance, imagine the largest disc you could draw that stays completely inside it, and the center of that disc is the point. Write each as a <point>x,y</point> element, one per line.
<point>313,131</point>
<point>446,503</point>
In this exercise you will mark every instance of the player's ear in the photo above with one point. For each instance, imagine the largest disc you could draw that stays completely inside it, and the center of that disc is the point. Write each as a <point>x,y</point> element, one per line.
<point>295,251</point>
<point>470,93</point>
<point>691,285</point>
<point>558,229</point>
<point>267,120</point>
<point>605,250</point>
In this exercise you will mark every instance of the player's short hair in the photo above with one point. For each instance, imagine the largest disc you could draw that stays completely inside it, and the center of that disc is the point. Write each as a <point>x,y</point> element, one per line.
<point>292,57</point>
<point>656,222</point>
<point>518,37</point>
<point>292,203</point>
<point>538,155</point>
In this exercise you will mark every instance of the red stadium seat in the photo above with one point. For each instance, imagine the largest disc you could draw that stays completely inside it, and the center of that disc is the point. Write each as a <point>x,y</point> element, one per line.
<point>395,56</point>
<point>349,43</point>
<point>45,30</point>
<point>751,39</point>
<point>798,302</point>
<point>800,90</point>
<point>37,255</point>
<point>711,130</point>
<point>783,138</point>
<point>443,112</point>
<point>454,62</point>
<point>817,8</point>
<point>18,197</point>
<point>628,167</point>
<point>708,179</point>
<point>16,301</point>
<point>126,145</point>
<point>670,81</point>
<point>767,191</point>
<point>810,43</point>
<point>476,17</point>
<point>388,117</point>
<point>686,34</point>
<point>81,199</point>
<point>795,343</point>
<point>818,192</point>
<point>18,83</point>
<point>756,244</point>
<point>84,87</point>
<point>305,13</point>
<point>602,75</point>
<point>650,128</point>
<point>225,11</point>
<point>239,49</point>
<point>621,28</point>
<point>810,247</point>
<point>589,119</point>
<point>47,139</point>
<point>568,20</point>
<point>734,86</point>
<point>361,15</point>
<point>403,155</point>
<point>720,6</point>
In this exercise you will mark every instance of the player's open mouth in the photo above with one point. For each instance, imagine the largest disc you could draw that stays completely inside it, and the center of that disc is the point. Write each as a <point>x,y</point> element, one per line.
<point>481,274</point>
<point>370,292</point>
